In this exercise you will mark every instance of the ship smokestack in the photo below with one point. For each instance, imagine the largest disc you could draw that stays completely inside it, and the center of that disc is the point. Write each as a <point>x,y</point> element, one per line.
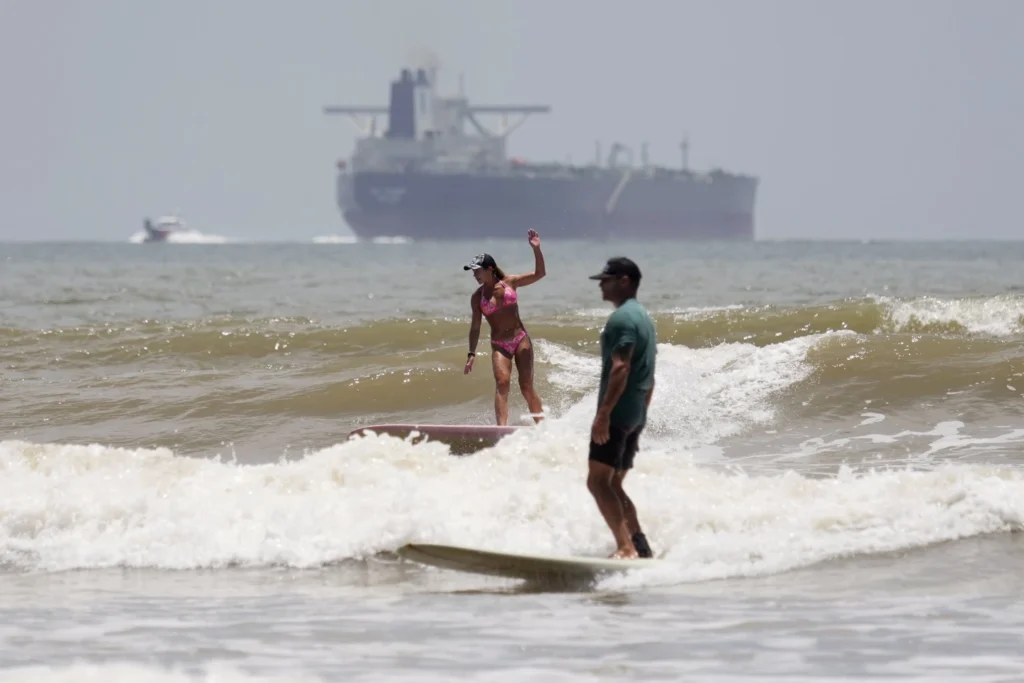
<point>401,117</point>
<point>424,105</point>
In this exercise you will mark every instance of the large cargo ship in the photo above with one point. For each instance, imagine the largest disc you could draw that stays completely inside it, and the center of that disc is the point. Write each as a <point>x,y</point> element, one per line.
<point>425,177</point>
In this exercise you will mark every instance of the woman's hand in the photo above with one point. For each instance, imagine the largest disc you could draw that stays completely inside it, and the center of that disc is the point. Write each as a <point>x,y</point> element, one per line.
<point>469,365</point>
<point>534,238</point>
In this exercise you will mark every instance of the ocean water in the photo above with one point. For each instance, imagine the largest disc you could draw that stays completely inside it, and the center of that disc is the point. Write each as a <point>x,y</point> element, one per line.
<point>833,467</point>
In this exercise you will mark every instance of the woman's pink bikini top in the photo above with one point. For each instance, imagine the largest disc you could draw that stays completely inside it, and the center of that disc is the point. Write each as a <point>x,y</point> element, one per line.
<point>510,298</point>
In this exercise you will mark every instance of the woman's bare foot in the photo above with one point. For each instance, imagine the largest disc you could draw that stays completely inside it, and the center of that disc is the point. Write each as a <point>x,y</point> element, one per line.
<point>625,554</point>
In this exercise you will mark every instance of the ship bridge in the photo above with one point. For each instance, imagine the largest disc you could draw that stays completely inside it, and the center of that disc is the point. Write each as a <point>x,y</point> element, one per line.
<point>427,132</point>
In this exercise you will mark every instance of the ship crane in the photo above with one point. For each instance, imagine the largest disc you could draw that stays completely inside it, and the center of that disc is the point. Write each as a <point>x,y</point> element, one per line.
<point>505,129</point>
<point>613,155</point>
<point>364,127</point>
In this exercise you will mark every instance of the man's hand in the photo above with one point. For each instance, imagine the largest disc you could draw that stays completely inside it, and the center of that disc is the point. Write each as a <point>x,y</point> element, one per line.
<point>599,431</point>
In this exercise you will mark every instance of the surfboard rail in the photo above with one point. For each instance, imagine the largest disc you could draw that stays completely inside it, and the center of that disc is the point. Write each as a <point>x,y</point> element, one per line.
<point>516,565</point>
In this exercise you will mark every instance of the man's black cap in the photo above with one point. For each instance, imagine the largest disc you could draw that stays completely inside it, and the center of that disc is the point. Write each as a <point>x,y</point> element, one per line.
<point>481,261</point>
<point>618,267</point>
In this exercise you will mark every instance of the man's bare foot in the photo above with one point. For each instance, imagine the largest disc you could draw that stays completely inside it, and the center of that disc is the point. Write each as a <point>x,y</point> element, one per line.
<point>625,554</point>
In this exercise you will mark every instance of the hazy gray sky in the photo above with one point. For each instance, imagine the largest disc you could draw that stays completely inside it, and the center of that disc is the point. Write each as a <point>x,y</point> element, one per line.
<point>880,118</point>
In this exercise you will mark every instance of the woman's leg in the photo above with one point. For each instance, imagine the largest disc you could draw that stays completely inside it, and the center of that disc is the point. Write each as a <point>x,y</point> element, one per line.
<point>524,366</point>
<point>502,366</point>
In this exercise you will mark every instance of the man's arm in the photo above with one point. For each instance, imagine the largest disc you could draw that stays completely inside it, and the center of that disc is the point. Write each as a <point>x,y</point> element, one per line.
<point>617,376</point>
<point>622,337</point>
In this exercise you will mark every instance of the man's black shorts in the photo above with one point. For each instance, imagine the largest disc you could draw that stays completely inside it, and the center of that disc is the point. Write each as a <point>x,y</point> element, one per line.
<point>620,448</point>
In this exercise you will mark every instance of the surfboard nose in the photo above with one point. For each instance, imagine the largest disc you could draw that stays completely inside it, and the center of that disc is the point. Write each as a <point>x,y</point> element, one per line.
<point>461,439</point>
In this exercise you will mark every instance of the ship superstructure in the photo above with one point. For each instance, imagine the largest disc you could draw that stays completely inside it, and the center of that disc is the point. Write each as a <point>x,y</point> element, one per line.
<point>437,172</point>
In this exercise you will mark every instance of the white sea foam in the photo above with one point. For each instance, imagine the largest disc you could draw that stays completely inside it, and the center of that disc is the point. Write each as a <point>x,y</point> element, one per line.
<point>78,506</point>
<point>996,315</point>
<point>184,237</point>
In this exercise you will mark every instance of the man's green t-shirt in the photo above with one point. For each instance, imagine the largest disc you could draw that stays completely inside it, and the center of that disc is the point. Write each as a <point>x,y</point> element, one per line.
<point>629,325</point>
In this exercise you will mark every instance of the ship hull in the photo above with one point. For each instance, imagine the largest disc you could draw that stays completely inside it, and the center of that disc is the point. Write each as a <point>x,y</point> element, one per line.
<point>155,235</point>
<point>609,207</point>
<point>489,225</point>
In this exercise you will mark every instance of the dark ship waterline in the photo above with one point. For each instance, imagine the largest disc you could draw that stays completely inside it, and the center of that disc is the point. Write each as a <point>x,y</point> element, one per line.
<point>425,178</point>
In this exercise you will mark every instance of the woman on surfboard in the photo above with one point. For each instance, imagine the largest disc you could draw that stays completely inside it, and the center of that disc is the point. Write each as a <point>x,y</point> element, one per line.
<point>497,300</point>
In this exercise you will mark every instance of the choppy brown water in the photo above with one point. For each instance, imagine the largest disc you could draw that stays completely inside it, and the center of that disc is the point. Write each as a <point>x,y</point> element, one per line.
<point>261,380</point>
<point>819,407</point>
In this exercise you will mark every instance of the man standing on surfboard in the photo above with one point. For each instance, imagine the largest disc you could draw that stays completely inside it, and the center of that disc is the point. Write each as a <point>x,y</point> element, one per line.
<point>628,350</point>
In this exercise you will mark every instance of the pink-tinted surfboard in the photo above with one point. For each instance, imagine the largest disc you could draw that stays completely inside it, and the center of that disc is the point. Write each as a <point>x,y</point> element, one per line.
<point>461,439</point>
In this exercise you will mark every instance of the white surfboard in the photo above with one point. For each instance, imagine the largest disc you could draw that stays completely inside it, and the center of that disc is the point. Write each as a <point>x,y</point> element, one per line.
<point>517,566</point>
